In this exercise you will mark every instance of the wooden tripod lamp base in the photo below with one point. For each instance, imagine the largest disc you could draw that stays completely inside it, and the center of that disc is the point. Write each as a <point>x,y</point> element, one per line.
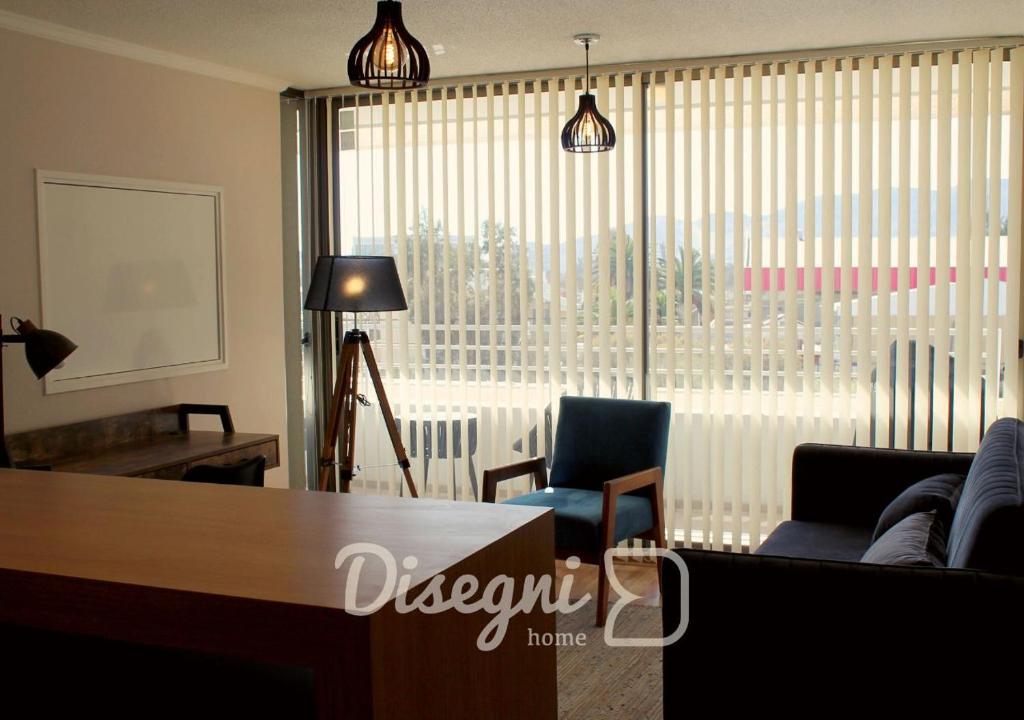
<point>341,423</point>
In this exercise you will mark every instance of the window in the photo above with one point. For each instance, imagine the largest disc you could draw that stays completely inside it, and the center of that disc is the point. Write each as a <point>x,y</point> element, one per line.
<point>774,247</point>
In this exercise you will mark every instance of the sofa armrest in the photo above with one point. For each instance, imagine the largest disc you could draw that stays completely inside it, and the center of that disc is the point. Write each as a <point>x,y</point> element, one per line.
<point>825,626</point>
<point>852,485</point>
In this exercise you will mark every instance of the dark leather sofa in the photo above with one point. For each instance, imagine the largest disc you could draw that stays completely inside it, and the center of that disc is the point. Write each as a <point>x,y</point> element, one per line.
<point>803,620</point>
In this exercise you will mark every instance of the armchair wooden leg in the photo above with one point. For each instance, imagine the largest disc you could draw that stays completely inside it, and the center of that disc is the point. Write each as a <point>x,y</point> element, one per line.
<point>602,592</point>
<point>650,478</point>
<point>659,526</point>
<point>609,503</point>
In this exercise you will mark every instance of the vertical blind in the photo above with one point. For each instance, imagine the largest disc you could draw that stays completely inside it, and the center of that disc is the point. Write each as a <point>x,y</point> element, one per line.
<point>810,250</point>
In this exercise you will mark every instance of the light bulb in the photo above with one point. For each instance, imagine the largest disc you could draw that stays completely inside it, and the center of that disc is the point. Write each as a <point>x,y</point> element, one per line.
<point>354,286</point>
<point>385,53</point>
<point>588,132</point>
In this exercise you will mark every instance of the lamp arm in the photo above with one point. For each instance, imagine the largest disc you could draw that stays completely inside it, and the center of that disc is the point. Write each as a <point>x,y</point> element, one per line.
<point>10,338</point>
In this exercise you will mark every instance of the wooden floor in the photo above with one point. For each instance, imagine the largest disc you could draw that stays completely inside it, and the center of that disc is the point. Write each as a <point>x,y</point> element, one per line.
<point>640,578</point>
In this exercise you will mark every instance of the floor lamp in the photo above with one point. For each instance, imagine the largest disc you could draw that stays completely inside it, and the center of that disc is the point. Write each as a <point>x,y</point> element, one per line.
<point>44,350</point>
<point>355,284</point>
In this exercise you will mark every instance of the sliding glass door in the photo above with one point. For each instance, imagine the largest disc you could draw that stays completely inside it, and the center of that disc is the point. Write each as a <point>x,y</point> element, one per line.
<point>820,249</point>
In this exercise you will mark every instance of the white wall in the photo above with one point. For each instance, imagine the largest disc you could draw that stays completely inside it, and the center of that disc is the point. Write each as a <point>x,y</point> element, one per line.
<point>66,108</point>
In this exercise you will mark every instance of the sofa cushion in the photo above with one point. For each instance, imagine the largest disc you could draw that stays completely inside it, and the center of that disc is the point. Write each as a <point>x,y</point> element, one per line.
<point>988,527</point>
<point>918,539</point>
<point>940,493</point>
<point>817,541</point>
<point>578,515</point>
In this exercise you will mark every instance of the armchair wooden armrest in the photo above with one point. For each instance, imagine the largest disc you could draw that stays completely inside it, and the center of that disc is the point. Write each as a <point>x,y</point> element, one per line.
<point>629,483</point>
<point>650,479</point>
<point>534,466</point>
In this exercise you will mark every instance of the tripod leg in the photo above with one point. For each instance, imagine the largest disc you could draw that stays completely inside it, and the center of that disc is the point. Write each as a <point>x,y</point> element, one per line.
<point>348,436</point>
<point>333,420</point>
<point>389,418</point>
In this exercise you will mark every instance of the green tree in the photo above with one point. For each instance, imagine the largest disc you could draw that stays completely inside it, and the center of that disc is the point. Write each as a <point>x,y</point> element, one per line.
<point>495,275</point>
<point>421,244</point>
<point>424,242</point>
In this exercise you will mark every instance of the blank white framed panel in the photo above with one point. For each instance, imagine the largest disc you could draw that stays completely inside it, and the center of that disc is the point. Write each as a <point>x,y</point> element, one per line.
<point>133,272</point>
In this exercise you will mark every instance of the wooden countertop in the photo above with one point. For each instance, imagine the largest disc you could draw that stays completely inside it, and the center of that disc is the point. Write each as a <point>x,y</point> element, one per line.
<point>256,543</point>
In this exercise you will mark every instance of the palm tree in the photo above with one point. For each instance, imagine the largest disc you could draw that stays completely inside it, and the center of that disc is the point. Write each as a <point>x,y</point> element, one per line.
<point>697,282</point>
<point>698,278</point>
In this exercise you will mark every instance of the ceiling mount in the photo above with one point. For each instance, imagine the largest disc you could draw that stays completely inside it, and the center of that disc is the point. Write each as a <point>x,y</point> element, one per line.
<point>587,38</point>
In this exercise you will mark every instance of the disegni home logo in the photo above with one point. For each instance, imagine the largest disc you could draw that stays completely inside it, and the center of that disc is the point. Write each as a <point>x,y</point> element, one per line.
<point>499,597</point>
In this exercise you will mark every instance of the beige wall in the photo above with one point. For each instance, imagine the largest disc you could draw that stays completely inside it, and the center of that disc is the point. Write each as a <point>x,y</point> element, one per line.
<point>65,108</point>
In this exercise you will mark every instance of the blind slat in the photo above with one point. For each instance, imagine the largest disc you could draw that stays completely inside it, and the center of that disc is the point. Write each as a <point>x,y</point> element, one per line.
<point>686,426</point>
<point>828,247</point>
<point>901,414</point>
<point>922,335</point>
<point>979,147</point>
<point>963,255</point>
<point>461,281</point>
<point>737,419</point>
<point>571,295</point>
<point>865,363</point>
<point>883,392</point>
<point>718,420</point>
<point>1015,222</point>
<point>944,99</point>
<point>994,215</point>
<point>846,257</point>
<point>754,461</point>
<point>774,462</point>
<point>603,211</point>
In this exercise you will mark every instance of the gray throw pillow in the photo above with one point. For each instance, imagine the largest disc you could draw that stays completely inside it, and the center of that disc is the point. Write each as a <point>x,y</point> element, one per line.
<point>940,493</point>
<point>919,540</point>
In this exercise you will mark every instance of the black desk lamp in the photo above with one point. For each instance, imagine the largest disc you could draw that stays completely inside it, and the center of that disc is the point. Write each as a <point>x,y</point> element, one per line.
<point>355,284</point>
<point>44,349</point>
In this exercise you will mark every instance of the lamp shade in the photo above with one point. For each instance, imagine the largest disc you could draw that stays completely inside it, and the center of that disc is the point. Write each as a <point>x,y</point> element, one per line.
<point>588,131</point>
<point>388,57</point>
<point>355,283</point>
<point>44,349</point>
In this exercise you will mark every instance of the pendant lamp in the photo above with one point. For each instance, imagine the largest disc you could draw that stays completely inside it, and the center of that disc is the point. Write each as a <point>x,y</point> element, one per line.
<point>388,57</point>
<point>588,130</point>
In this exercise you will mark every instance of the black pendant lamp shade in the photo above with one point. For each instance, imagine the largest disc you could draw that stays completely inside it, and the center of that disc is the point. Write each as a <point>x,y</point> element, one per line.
<point>388,57</point>
<point>587,131</point>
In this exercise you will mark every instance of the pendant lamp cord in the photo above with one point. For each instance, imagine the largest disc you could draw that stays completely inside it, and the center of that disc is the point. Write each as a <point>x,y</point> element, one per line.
<point>586,47</point>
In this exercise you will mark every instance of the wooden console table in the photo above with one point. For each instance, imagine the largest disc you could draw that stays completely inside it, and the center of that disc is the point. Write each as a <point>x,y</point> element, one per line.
<point>155,443</point>
<point>248,573</point>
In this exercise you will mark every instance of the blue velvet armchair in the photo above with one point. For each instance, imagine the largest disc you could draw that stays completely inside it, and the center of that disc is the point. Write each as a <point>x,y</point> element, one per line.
<point>606,479</point>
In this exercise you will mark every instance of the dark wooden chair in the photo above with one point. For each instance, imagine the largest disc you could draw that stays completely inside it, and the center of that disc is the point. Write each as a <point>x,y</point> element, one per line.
<point>246,472</point>
<point>606,479</point>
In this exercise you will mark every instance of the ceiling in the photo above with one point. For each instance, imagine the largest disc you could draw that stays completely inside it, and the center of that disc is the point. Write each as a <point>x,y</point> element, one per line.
<point>306,42</point>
